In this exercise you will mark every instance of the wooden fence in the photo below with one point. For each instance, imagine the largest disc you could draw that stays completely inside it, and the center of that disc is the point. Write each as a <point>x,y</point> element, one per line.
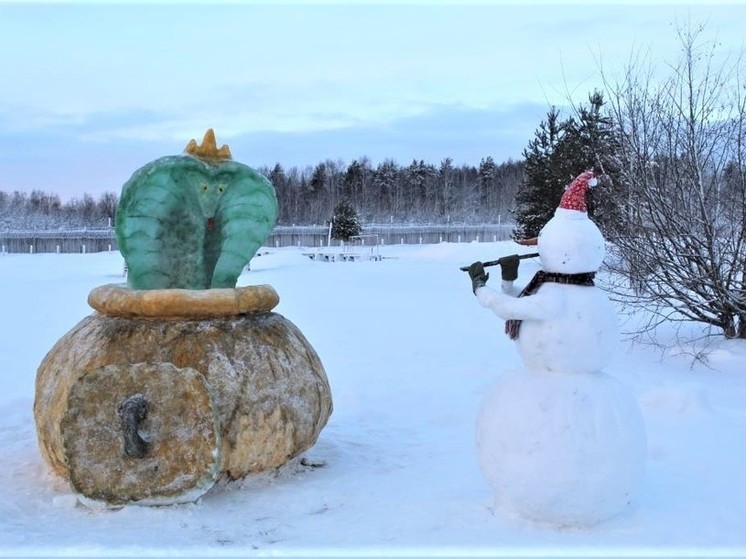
<point>67,241</point>
<point>102,240</point>
<point>318,235</point>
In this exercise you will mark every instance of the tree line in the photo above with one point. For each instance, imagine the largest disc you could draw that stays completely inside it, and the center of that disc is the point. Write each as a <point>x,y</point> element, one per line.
<point>391,193</point>
<point>386,193</point>
<point>40,210</point>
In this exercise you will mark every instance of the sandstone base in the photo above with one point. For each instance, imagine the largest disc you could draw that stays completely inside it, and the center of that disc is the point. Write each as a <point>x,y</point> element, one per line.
<point>253,376</point>
<point>179,433</point>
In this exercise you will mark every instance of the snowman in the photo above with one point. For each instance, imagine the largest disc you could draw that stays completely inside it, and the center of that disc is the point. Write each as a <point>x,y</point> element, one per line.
<point>560,441</point>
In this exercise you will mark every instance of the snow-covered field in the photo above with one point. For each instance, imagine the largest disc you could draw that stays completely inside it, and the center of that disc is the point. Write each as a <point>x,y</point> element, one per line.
<point>409,354</point>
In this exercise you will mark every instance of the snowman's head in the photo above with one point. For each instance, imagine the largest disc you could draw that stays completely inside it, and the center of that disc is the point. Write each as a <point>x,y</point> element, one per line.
<point>570,243</point>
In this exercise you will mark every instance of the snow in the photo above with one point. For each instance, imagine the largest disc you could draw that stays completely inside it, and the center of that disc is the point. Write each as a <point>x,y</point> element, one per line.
<point>570,243</point>
<point>560,441</point>
<point>572,328</point>
<point>410,357</point>
<point>566,449</point>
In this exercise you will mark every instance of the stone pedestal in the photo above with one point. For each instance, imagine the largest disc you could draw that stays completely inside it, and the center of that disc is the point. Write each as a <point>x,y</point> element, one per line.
<point>160,393</point>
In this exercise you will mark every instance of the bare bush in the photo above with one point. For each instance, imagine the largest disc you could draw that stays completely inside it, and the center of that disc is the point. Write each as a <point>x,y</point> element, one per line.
<point>681,240</point>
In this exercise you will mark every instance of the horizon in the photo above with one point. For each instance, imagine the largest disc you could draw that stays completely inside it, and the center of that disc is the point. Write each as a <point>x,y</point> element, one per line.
<point>92,92</point>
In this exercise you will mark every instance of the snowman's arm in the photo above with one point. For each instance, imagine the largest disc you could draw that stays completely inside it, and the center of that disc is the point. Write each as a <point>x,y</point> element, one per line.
<point>531,307</point>
<point>509,288</point>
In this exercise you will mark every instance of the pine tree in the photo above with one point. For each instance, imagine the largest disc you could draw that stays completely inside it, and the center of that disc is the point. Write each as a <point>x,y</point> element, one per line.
<point>589,142</point>
<point>487,183</point>
<point>536,198</point>
<point>386,187</point>
<point>559,152</point>
<point>345,222</point>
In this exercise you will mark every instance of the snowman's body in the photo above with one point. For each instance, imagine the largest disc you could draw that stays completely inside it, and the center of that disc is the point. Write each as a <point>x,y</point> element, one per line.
<point>560,441</point>
<point>557,322</point>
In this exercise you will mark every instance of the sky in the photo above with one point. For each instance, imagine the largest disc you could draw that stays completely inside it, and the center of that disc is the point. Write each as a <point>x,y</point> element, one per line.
<point>91,91</point>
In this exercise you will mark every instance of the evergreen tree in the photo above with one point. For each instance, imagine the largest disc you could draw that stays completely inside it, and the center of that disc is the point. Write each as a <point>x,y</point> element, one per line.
<point>447,199</point>
<point>386,187</point>
<point>536,198</point>
<point>284,194</point>
<point>589,142</point>
<point>345,222</point>
<point>420,178</point>
<point>487,184</point>
<point>559,152</point>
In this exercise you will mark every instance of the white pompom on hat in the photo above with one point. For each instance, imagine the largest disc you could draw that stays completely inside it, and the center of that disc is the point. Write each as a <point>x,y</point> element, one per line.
<point>574,196</point>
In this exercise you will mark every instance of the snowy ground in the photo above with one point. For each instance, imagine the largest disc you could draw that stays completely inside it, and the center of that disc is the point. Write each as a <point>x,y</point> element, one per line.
<point>409,355</point>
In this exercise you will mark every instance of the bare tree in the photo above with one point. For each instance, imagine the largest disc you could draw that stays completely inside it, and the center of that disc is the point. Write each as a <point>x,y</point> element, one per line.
<point>681,241</point>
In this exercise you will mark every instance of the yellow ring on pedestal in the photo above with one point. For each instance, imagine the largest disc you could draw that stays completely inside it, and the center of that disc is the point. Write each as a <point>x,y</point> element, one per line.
<point>120,300</point>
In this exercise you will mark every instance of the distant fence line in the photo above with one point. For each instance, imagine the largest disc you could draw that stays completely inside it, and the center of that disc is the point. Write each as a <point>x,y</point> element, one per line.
<point>102,240</point>
<point>318,235</point>
<point>67,241</point>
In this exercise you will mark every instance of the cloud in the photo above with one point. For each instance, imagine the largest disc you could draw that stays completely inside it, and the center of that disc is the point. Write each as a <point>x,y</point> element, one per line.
<point>72,158</point>
<point>83,105</point>
<point>464,134</point>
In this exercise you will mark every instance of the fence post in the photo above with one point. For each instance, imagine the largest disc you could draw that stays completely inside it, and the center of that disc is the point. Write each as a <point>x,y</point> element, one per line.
<point>83,249</point>
<point>31,249</point>
<point>58,249</point>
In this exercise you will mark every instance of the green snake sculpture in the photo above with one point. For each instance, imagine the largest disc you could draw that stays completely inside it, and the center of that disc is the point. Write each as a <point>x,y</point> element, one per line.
<point>193,221</point>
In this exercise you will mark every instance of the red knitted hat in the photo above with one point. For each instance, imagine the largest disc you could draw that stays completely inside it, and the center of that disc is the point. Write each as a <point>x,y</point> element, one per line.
<point>574,196</point>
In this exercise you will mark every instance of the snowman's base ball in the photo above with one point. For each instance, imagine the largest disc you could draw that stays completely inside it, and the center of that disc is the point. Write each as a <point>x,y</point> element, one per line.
<point>566,449</point>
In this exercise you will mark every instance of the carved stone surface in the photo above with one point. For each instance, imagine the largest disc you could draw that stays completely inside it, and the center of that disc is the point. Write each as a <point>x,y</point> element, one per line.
<point>181,378</point>
<point>270,390</point>
<point>168,452</point>
<point>193,221</point>
<point>117,300</point>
